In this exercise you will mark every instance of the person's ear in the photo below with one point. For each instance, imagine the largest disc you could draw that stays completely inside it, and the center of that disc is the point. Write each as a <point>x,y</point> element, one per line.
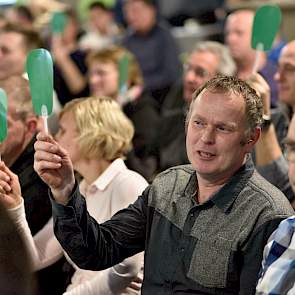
<point>253,138</point>
<point>31,124</point>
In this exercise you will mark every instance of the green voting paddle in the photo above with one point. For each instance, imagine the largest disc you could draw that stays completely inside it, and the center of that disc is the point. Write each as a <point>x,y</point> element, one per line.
<point>266,24</point>
<point>58,22</point>
<point>3,116</point>
<point>40,71</point>
<point>123,74</point>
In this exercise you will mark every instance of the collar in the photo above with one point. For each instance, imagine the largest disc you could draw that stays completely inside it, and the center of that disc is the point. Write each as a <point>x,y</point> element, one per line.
<point>225,197</point>
<point>105,178</point>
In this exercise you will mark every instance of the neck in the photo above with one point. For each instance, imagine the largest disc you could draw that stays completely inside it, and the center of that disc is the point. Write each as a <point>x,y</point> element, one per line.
<point>91,169</point>
<point>207,188</point>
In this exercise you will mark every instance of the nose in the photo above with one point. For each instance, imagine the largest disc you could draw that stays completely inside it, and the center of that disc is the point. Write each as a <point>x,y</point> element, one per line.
<point>277,76</point>
<point>208,135</point>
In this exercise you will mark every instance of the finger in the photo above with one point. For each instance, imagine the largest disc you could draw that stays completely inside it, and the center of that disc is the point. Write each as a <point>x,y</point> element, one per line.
<point>42,166</point>
<point>45,156</point>
<point>135,286</point>
<point>4,187</point>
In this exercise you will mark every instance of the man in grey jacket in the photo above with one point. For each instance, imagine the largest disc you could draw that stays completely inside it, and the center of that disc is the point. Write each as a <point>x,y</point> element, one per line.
<point>203,226</point>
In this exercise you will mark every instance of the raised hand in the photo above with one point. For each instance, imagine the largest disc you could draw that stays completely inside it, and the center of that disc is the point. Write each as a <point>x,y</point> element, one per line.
<point>53,165</point>
<point>10,191</point>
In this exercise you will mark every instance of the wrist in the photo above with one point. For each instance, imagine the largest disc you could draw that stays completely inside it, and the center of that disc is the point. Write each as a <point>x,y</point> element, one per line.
<point>266,122</point>
<point>62,196</point>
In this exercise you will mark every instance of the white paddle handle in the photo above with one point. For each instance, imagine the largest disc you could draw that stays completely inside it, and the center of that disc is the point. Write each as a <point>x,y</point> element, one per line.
<point>44,115</point>
<point>259,48</point>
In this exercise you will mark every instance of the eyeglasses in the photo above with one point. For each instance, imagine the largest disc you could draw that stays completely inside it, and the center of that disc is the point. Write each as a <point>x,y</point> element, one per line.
<point>198,71</point>
<point>286,69</point>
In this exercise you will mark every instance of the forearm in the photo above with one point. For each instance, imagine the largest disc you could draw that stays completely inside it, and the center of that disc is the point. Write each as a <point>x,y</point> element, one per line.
<point>113,280</point>
<point>74,79</point>
<point>267,148</point>
<point>94,246</point>
<point>43,248</point>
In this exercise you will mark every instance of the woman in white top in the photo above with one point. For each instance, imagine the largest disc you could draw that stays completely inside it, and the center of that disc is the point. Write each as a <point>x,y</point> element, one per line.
<point>97,135</point>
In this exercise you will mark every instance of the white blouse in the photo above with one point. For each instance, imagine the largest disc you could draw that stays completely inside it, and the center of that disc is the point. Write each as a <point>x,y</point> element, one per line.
<point>114,190</point>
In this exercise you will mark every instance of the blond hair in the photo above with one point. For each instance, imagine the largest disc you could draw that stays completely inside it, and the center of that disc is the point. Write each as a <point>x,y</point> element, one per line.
<point>103,129</point>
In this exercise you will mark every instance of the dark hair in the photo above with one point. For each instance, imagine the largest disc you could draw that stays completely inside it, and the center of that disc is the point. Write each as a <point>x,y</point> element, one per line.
<point>233,85</point>
<point>25,12</point>
<point>99,5</point>
<point>31,37</point>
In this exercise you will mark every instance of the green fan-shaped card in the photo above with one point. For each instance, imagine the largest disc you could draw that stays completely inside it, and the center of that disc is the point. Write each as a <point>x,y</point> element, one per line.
<point>58,22</point>
<point>123,73</point>
<point>3,115</point>
<point>39,67</point>
<point>266,24</point>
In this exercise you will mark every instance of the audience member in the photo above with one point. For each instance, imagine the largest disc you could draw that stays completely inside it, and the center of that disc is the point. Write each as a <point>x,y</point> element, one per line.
<point>136,103</point>
<point>153,45</point>
<point>206,60</point>
<point>17,151</point>
<point>102,31</point>
<point>69,61</point>
<point>15,44</point>
<point>96,134</point>
<point>238,30</point>
<point>203,226</point>
<point>277,274</point>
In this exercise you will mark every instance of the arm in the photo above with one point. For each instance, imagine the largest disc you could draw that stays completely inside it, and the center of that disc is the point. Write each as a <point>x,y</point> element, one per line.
<point>277,276</point>
<point>113,280</point>
<point>71,73</point>
<point>89,244</point>
<point>252,255</point>
<point>44,249</point>
<point>96,247</point>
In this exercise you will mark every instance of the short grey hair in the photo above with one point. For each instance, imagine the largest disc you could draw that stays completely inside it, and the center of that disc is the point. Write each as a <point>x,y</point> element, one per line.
<point>226,65</point>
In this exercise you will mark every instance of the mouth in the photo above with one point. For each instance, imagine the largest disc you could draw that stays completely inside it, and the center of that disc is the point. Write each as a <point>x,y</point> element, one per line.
<point>206,155</point>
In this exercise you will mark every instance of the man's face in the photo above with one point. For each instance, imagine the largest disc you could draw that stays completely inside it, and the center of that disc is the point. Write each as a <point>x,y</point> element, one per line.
<point>216,136</point>
<point>200,67</point>
<point>140,16</point>
<point>67,136</point>
<point>15,141</point>
<point>100,20</point>
<point>238,30</point>
<point>12,54</point>
<point>290,146</point>
<point>103,79</point>
<point>285,75</point>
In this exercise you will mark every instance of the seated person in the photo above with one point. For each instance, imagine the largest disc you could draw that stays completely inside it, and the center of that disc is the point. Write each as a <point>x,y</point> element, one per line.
<point>137,105</point>
<point>97,135</point>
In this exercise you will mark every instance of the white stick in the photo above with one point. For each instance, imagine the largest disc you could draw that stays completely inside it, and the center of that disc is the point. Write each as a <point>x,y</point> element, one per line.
<point>259,48</point>
<point>44,117</point>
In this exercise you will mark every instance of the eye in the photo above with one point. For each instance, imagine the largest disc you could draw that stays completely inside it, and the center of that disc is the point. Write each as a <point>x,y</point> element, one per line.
<point>199,123</point>
<point>223,129</point>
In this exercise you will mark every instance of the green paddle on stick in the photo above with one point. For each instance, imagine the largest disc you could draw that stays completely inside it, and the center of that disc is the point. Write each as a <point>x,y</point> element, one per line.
<point>266,24</point>
<point>3,116</point>
<point>39,67</point>
<point>123,74</point>
<point>58,22</point>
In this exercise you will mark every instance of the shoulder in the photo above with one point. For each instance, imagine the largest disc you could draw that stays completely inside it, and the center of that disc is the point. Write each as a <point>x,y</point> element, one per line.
<point>264,197</point>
